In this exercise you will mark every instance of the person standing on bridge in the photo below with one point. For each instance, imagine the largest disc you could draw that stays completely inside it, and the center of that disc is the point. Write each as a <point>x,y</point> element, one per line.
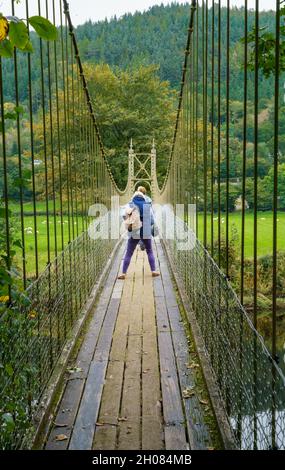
<point>140,203</point>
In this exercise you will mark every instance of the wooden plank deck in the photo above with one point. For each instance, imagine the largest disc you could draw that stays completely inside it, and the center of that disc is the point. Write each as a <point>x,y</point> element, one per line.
<point>125,390</point>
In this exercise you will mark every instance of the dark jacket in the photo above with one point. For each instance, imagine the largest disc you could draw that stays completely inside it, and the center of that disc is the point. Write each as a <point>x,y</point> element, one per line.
<point>146,216</point>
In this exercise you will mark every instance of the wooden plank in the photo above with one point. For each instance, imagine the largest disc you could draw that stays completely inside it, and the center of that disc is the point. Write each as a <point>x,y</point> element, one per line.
<point>175,438</point>
<point>119,343</point>
<point>152,420</point>
<point>144,350</point>
<point>66,415</point>
<point>150,353</point>
<point>175,319</point>
<point>172,406</point>
<point>87,349</point>
<point>134,350</point>
<point>84,428</point>
<point>135,321</point>
<point>129,434</point>
<point>105,437</point>
<point>70,401</point>
<point>162,320</point>
<point>131,401</point>
<point>119,386</point>
<point>152,434</point>
<point>198,433</point>
<point>149,319</point>
<point>151,396</point>
<point>105,338</point>
<point>158,287</point>
<point>111,396</point>
<point>112,311</point>
<point>181,345</point>
<point>106,432</point>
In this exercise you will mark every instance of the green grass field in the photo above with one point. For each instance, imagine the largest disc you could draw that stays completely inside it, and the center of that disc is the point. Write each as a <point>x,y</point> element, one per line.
<point>264,230</point>
<point>42,239</point>
<point>56,230</point>
<point>40,206</point>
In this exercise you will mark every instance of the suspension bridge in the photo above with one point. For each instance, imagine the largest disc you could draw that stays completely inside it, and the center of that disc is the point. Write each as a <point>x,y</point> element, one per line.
<point>88,361</point>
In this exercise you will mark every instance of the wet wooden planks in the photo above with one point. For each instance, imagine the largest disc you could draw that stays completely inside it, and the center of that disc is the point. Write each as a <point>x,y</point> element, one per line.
<point>176,373</point>
<point>132,419</point>
<point>73,399</point>
<point>125,389</point>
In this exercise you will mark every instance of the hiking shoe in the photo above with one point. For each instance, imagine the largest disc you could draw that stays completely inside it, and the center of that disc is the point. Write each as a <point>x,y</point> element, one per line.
<point>155,273</point>
<point>122,276</point>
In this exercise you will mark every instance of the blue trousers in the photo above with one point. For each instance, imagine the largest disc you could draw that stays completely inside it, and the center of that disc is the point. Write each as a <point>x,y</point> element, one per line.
<point>132,243</point>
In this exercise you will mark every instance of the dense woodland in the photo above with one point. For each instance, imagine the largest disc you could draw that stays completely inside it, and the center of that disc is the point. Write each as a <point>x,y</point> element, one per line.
<point>133,66</point>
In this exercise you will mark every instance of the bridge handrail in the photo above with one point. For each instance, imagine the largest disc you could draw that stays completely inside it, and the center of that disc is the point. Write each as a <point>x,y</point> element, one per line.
<point>88,98</point>
<point>184,69</point>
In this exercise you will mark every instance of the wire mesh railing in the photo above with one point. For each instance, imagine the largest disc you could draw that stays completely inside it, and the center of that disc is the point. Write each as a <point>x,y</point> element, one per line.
<point>231,92</point>
<point>251,384</point>
<point>53,168</point>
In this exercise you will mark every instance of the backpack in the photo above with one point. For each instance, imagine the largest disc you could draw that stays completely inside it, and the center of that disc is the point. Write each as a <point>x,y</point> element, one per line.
<point>132,219</point>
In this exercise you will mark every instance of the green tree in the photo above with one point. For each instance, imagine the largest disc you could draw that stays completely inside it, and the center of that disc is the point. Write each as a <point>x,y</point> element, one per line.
<point>268,184</point>
<point>136,105</point>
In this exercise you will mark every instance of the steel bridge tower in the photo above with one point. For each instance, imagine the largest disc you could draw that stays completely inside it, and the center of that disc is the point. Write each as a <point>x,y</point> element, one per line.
<point>142,169</point>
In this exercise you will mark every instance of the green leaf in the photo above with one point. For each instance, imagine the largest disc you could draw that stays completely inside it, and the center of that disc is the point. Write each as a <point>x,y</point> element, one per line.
<point>9,369</point>
<point>6,48</point>
<point>19,109</point>
<point>7,418</point>
<point>20,182</point>
<point>28,47</point>
<point>18,34</point>
<point>27,174</point>
<point>44,28</point>
<point>10,116</point>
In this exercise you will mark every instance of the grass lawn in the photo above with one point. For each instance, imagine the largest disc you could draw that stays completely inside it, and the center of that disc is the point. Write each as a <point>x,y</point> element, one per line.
<point>55,235</point>
<point>264,230</point>
<point>28,207</point>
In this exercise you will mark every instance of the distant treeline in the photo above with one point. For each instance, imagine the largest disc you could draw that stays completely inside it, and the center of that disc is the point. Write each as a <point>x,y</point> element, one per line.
<point>157,36</point>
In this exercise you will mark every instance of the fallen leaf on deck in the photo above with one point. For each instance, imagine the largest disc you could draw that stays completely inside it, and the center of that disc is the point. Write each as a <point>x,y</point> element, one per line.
<point>188,392</point>
<point>61,437</point>
<point>193,365</point>
<point>58,425</point>
<point>100,424</point>
<point>72,370</point>
<point>123,419</point>
<point>204,402</point>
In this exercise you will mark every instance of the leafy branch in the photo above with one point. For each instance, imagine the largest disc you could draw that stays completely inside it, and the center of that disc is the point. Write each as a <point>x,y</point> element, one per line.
<point>266,48</point>
<point>14,33</point>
